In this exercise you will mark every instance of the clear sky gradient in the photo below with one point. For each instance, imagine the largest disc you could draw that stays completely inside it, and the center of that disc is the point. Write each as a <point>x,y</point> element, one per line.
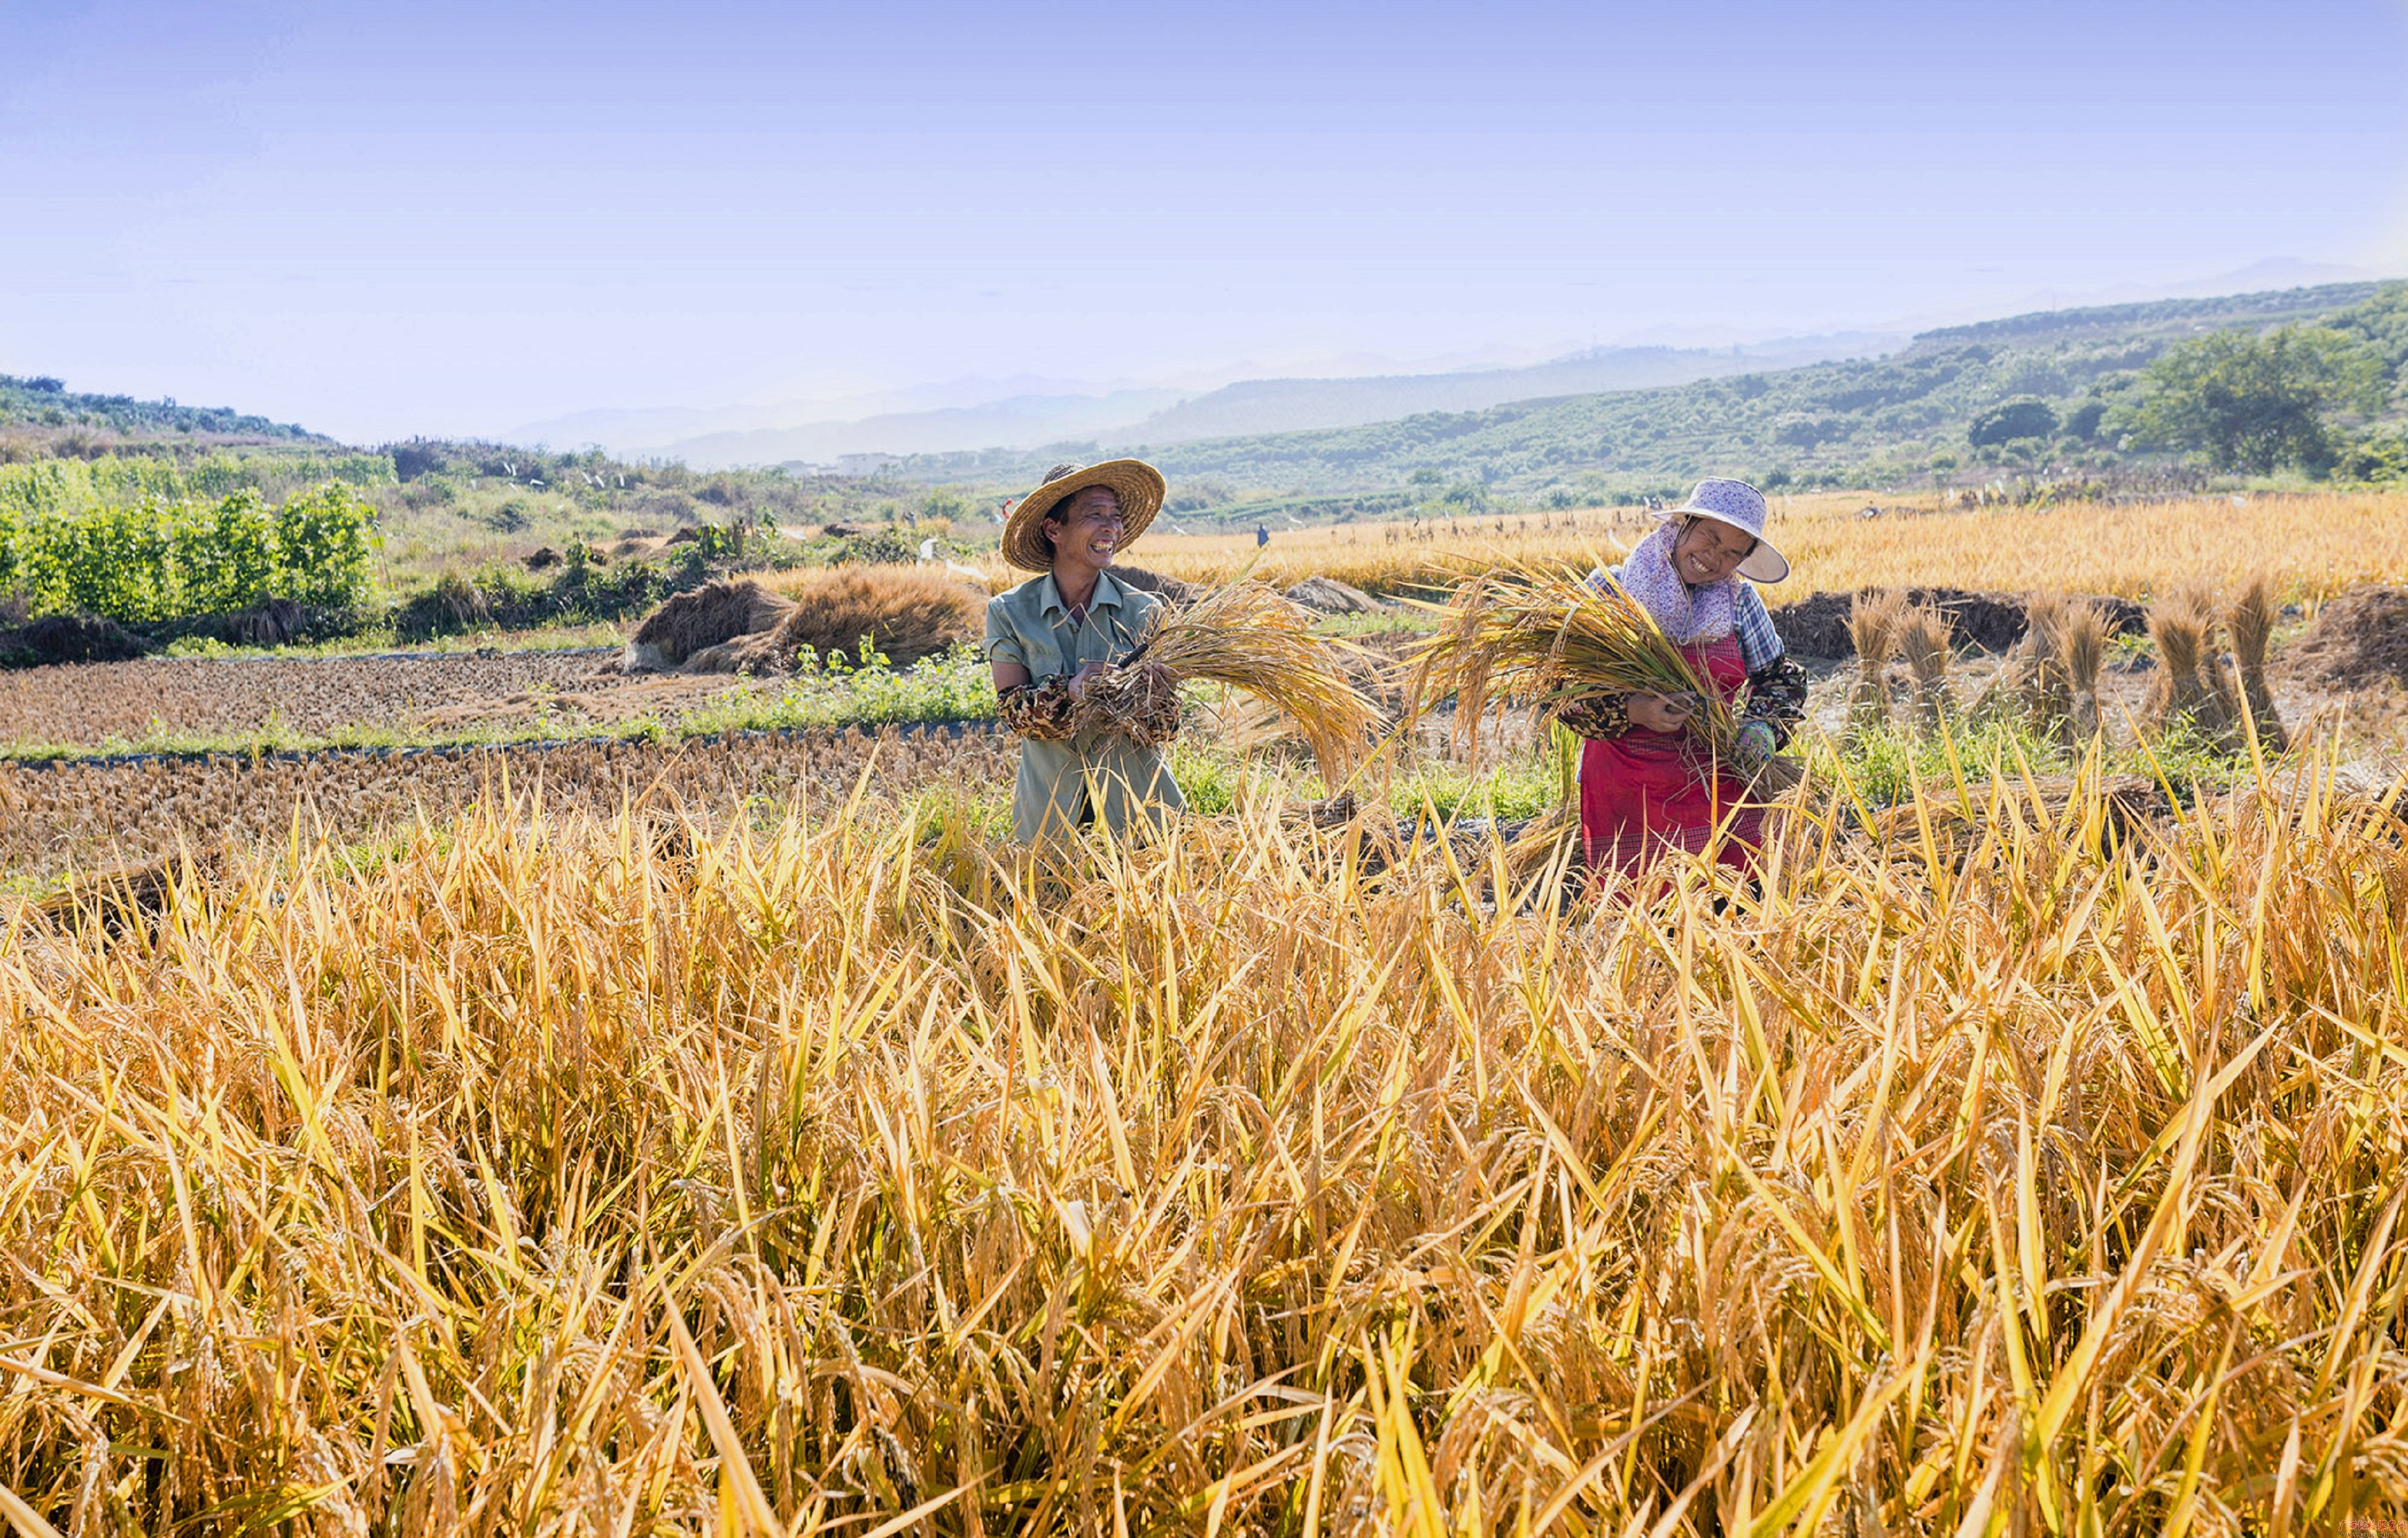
<point>454,219</point>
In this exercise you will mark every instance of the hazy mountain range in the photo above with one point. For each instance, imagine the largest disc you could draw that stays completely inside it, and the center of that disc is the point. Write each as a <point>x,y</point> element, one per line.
<point>741,437</point>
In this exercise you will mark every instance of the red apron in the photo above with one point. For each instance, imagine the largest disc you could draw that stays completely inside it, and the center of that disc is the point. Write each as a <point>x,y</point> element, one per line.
<point>1645,792</point>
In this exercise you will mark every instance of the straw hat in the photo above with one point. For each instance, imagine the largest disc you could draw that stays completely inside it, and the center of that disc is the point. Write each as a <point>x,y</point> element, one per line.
<point>1137,484</point>
<point>1740,505</point>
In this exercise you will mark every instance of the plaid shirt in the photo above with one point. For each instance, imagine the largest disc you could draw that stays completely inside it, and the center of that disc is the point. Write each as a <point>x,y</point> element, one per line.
<point>1759,643</point>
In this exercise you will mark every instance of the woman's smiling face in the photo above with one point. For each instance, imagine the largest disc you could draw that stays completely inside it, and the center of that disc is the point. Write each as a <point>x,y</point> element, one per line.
<point>1709,551</point>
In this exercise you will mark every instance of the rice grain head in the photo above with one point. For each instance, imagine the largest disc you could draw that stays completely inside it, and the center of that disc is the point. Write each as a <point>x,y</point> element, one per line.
<point>1246,636</point>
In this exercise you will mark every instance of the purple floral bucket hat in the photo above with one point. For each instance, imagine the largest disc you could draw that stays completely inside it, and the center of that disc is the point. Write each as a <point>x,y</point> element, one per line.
<point>1740,505</point>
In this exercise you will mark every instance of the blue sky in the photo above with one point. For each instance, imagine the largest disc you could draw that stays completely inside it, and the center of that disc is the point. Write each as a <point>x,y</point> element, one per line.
<point>455,219</point>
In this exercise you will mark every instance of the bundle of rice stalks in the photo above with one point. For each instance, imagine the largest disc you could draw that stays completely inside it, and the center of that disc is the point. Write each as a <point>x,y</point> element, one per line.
<point>2078,649</point>
<point>2182,625</point>
<point>1140,700</point>
<point>1248,637</point>
<point>1873,629</point>
<point>1541,634</point>
<point>2046,687</point>
<point>1926,639</point>
<point>2251,621</point>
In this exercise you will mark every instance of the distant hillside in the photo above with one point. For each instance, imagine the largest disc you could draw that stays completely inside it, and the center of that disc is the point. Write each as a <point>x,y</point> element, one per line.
<point>1861,422</point>
<point>41,413</point>
<point>1249,407</point>
<point>1019,422</point>
<point>1254,407</point>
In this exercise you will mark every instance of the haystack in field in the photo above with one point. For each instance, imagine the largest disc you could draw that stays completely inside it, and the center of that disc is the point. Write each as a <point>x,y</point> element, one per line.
<point>710,615</point>
<point>1328,596</point>
<point>907,613</point>
<point>67,638</point>
<point>2358,639</point>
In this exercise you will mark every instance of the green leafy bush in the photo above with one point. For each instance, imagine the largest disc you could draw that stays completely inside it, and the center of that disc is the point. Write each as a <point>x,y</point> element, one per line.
<point>155,560</point>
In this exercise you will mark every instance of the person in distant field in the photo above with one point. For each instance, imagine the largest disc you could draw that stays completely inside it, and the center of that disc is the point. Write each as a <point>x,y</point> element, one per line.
<point>1049,637</point>
<point>1262,535</point>
<point>1644,786</point>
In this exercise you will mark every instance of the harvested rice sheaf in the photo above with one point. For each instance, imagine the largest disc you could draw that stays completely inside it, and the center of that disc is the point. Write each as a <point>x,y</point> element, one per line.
<point>1246,636</point>
<point>1541,634</point>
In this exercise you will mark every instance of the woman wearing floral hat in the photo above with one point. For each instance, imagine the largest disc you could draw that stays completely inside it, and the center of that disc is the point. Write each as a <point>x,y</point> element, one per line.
<point>1052,635</point>
<point>1643,789</point>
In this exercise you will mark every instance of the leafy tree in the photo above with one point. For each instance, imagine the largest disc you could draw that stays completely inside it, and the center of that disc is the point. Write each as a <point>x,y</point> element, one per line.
<point>2254,402</point>
<point>2011,420</point>
<point>325,544</point>
<point>944,502</point>
<point>224,557</point>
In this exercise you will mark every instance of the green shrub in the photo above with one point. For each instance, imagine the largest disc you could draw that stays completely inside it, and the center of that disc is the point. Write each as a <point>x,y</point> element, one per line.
<point>326,541</point>
<point>154,560</point>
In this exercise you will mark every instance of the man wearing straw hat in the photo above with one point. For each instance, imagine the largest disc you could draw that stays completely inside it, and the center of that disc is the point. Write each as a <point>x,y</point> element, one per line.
<point>1641,791</point>
<point>1052,636</point>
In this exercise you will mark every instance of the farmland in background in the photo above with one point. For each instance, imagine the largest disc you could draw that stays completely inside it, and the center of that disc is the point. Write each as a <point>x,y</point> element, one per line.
<point>2314,544</point>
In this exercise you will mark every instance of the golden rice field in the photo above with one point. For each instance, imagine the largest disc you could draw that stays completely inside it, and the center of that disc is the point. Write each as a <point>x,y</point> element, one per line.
<point>837,1175</point>
<point>2313,545</point>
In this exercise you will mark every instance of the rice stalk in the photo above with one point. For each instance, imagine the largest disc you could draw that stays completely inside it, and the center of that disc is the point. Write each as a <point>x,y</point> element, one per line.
<point>794,1174</point>
<point>2181,624</point>
<point>2048,687</point>
<point>1541,634</point>
<point>1873,620</point>
<point>1244,635</point>
<point>2250,619</point>
<point>1924,639</point>
<point>2080,644</point>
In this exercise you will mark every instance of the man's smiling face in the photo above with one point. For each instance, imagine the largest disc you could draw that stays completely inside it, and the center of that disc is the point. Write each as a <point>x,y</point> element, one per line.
<point>1090,526</point>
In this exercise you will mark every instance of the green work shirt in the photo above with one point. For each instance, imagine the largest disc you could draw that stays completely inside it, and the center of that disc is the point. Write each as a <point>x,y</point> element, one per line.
<point>1030,626</point>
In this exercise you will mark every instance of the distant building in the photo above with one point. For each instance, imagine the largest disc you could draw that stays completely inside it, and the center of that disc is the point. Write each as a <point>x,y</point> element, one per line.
<point>865,464</point>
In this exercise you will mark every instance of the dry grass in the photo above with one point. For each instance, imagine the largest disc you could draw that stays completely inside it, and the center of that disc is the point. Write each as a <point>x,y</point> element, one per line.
<point>550,1178</point>
<point>908,612</point>
<point>2312,546</point>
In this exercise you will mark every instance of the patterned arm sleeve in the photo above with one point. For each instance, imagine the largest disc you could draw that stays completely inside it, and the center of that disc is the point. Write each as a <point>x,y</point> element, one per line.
<point>1776,695</point>
<point>1041,711</point>
<point>1599,717</point>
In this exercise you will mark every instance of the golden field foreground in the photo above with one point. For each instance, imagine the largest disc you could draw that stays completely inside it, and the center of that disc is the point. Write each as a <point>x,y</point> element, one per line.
<point>2312,544</point>
<point>564,1175</point>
